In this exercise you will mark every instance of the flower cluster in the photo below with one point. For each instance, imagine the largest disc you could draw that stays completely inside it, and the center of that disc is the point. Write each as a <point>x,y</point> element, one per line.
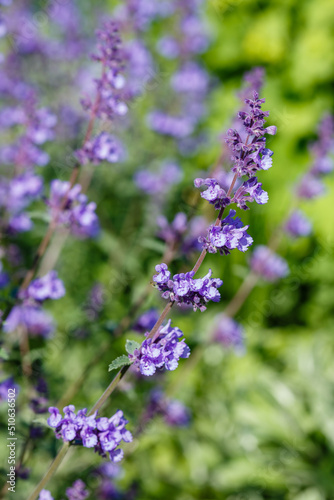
<point>104,147</point>
<point>76,492</point>
<point>267,264</point>
<point>185,289</point>
<point>174,413</point>
<point>47,287</point>
<point>77,214</point>
<point>298,224</point>
<point>228,332</point>
<point>164,351</point>
<point>230,234</point>
<point>103,434</point>
<point>249,153</point>
<point>158,183</point>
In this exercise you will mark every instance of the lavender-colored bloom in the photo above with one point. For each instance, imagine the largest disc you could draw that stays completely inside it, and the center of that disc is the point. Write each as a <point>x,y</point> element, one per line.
<point>174,126</point>
<point>45,495</point>
<point>267,264</point>
<point>310,187</point>
<point>249,152</point>
<point>255,193</point>
<point>102,434</point>
<point>253,82</point>
<point>36,321</point>
<point>47,287</point>
<point>110,95</point>
<point>77,491</point>
<point>323,147</point>
<point>172,233</point>
<point>146,321</point>
<point>104,147</point>
<point>158,183</point>
<point>175,413</point>
<point>214,193</point>
<point>228,332</point>
<point>228,235</point>
<point>78,214</point>
<point>185,289</point>
<point>168,47</point>
<point>165,351</point>
<point>19,223</point>
<point>298,224</point>
<point>7,384</point>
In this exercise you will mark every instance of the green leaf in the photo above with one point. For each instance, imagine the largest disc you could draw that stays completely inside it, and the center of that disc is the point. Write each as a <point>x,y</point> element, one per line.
<point>119,362</point>
<point>131,345</point>
<point>41,421</point>
<point>4,354</point>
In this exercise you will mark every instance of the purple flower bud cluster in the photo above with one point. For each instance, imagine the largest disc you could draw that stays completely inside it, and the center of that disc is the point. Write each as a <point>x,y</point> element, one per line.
<point>298,224</point>
<point>109,101</point>
<point>249,152</point>
<point>228,332</point>
<point>103,434</point>
<point>47,287</point>
<point>164,351</point>
<point>78,214</point>
<point>185,289</point>
<point>76,492</point>
<point>146,321</point>
<point>6,384</point>
<point>230,234</point>
<point>268,265</point>
<point>311,185</point>
<point>35,321</point>
<point>160,182</point>
<point>214,193</point>
<point>175,413</point>
<point>251,190</point>
<point>104,147</point>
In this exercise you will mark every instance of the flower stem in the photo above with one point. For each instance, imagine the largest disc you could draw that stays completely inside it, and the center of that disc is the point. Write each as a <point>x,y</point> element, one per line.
<point>52,469</point>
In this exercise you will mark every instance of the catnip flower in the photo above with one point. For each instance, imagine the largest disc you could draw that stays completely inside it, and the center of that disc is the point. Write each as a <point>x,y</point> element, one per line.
<point>159,182</point>
<point>78,214</point>
<point>47,287</point>
<point>174,412</point>
<point>185,289</point>
<point>228,332</point>
<point>268,265</point>
<point>33,319</point>
<point>104,147</point>
<point>103,434</point>
<point>146,321</point>
<point>165,351</point>
<point>228,235</point>
<point>298,224</point>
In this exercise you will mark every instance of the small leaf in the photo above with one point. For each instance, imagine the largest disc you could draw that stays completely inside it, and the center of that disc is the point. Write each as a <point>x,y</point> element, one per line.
<point>119,362</point>
<point>131,345</point>
<point>4,354</point>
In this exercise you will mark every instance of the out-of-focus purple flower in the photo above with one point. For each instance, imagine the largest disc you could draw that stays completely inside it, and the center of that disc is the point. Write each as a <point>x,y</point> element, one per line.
<point>175,413</point>
<point>45,495</point>
<point>47,287</point>
<point>110,96</point>
<point>36,321</point>
<point>253,82</point>
<point>7,384</point>
<point>267,264</point>
<point>24,154</point>
<point>228,235</point>
<point>174,126</point>
<point>158,183</point>
<point>140,68</point>
<point>4,277</point>
<point>168,47</point>
<point>77,491</point>
<point>165,351</point>
<point>197,227</point>
<point>104,147</point>
<point>103,434</point>
<point>172,233</point>
<point>146,321</point>
<point>78,214</point>
<point>298,224</point>
<point>310,187</point>
<point>228,332</point>
<point>185,289</point>
<point>323,147</point>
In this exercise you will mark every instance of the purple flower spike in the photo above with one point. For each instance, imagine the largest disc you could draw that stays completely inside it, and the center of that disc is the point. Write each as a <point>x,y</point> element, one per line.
<point>48,287</point>
<point>104,147</point>
<point>298,224</point>
<point>165,351</point>
<point>185,289</point>
<point>102,434</point>
<point>310,187</point>
<point>228,332</point>
<point>45,495</point>
<point>229,235</point>
<point>36,321</point>
<point>214,193</point>
<point>77,491</point>
<point>267,264</point>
